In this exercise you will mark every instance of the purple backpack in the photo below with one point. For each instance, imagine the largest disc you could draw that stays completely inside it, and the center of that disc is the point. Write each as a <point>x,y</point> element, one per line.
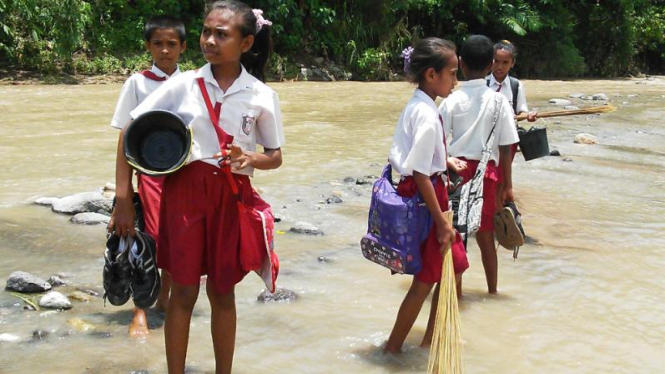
<point>396,227</point>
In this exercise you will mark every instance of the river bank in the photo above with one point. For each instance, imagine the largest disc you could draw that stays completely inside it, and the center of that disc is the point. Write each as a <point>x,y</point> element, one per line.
<point>584,296</point>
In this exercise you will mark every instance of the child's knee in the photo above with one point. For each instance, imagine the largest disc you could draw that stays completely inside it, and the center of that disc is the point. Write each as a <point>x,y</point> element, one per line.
<point>184,296</point>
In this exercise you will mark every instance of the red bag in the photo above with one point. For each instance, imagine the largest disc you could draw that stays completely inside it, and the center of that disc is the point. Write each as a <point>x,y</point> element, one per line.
<point>257,223</point>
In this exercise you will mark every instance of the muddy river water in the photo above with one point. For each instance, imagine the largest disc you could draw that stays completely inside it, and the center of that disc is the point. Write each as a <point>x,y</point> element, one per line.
<point>585,295</point>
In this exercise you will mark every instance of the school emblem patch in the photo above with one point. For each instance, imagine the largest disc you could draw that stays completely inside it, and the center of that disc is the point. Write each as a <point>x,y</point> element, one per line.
<point>247,123</point>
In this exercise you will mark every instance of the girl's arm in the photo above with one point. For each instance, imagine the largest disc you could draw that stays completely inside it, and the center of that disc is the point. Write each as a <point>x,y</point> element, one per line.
<point>444,230</point>
<point>122,218</point>
<point>269,159</point>
<point>506,186</point>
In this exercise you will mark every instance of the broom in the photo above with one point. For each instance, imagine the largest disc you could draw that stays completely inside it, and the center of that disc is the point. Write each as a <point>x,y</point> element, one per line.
<point>571,112</point>
<point>445,354</point>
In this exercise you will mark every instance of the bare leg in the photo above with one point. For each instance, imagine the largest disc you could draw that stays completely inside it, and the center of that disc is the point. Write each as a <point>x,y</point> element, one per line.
<point>163,298</point>
<point>176,326</point>
<point>485,241</point>
<point>223,328</point>
<point>408,312</point>
<point>429,332</point>
<point>139,325</point>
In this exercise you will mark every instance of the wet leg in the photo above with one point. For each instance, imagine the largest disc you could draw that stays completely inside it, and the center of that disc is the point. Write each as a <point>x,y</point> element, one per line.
<point>176,326</point>
<point>139,325</point>
<point>485,241</point>
<point>408,312</point>
<point>223,327</point>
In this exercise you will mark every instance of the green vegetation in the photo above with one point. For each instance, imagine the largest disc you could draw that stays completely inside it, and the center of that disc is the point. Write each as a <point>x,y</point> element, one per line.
<point>557,38</point>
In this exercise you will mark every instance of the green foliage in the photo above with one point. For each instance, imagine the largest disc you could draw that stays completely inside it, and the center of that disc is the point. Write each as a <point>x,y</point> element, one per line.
<point>555,37</point>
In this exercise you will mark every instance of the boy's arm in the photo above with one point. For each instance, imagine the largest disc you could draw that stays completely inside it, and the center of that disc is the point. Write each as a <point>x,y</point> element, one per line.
<point>444,230</point>
<point>269,159</point>
<point>122,218</point>
<point>506,186</point>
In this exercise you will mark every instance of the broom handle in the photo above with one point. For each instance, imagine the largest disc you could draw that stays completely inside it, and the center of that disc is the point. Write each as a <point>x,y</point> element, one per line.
<point>559,113</point>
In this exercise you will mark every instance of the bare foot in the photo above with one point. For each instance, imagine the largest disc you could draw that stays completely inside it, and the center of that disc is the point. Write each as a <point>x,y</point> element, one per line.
<point>139,325</point>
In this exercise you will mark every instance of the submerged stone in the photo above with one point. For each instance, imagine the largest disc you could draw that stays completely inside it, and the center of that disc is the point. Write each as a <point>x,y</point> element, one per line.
<point>585,139</point>
<point>305,228</point>
<point>281,295</point>
<point>55,300</point>
<point>21,281</point>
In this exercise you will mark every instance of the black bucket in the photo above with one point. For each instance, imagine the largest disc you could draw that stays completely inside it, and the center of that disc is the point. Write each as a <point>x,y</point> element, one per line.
<point>157,142</point>
<point>533,143</point>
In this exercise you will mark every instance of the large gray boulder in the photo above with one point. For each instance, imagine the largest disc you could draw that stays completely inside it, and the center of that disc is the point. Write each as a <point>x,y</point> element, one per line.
<point>21,281</point>
<point>94,202</point>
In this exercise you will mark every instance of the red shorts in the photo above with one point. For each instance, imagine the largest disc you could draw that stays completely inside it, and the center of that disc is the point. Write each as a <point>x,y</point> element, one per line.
<point>199,231</point>
<point>150,193</point>
<point>490,183</point>
<point>430,249</point>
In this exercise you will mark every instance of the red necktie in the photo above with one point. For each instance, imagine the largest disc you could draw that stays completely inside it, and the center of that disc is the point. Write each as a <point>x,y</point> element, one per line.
<point>152,76</point>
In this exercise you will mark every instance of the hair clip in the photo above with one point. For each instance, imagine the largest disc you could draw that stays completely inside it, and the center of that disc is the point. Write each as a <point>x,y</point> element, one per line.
<point>260,21</point>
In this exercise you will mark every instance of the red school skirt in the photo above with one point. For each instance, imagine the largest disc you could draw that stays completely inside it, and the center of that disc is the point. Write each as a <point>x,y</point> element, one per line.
<point>150,193</point>
<point>430,249</point>
<point>199,231</point>
<point>490,182</point>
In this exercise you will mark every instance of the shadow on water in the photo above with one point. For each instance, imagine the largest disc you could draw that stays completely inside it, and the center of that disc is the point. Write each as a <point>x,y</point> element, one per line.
<point>412,358</point>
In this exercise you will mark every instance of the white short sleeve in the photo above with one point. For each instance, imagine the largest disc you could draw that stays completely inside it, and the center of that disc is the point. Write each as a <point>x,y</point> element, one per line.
<point>505,126</point>
<point>269,131</point>
<point>161,98</point>
<point>521,100</point>
<point>424,143</point>
<point>127,102</point>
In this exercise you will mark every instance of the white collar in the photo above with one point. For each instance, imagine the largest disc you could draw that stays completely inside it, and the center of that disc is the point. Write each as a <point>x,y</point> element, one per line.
<point>493,80</point>
<point>474,83</point>
<point>245,81</point>
<point>158,72</point>
<point>425,97</point>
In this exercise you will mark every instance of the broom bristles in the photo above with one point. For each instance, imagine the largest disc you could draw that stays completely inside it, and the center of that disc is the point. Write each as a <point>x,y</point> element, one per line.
<point>445,355</point>
<point>571,112</point>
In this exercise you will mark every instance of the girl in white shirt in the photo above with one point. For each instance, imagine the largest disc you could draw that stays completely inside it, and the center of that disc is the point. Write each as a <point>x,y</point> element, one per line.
<point>420,156</point>
<point>230,110</point>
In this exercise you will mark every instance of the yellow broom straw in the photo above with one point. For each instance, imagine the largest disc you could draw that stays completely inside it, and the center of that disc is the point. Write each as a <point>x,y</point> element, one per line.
<point>445,355</point>
<point>571,112</point>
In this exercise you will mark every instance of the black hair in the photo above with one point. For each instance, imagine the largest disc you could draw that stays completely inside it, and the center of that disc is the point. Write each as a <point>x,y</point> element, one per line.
<point>428,53</point>
<point>477,52</point>
<point>258,55</point>
<point>507,46</point>
<point>164,22</point>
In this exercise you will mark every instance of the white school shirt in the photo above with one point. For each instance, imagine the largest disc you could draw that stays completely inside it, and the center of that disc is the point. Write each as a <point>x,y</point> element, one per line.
<point>467,119</point>
<point>133,92</point>
<point>418,141</point>
<point>508,92</point>
<point>249,112</point>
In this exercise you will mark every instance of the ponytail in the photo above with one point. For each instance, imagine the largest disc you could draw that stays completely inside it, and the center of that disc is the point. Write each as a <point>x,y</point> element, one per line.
<point>252,23</point>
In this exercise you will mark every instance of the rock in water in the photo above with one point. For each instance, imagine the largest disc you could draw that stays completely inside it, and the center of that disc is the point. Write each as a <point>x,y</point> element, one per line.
<point>8,338</point>
<point>83,202</point>
<point>576,95</point>
<point>90,219</point>
<point>55,281</point>
<point>81,296</point>
<point>46,201</point>
<point>55,300</point>
<point>561,102</point>
<point>555,152</point>
<point>600,96</point>
<point>21,281</point>
<point>281,295</point>
<point>585,139</point>
<point>305,228</point>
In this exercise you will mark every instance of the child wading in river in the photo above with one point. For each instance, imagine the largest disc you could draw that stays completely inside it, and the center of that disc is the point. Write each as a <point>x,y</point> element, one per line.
<point>230,111</point>
<point>419,155</point>
<point>165,40</point>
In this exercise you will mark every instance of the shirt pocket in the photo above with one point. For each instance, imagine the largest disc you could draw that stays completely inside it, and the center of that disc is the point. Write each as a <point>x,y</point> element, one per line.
<point>246,136</point>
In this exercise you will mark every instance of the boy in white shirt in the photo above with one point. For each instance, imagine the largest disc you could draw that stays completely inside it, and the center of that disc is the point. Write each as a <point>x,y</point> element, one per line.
<point>165,40</point>
<point>468,119</point>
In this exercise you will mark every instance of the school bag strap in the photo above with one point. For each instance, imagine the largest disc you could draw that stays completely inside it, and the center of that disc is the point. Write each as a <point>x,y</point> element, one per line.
<point>223,138</point>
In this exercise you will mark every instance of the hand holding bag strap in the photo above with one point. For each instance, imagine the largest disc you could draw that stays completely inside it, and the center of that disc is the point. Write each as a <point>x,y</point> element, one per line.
<point>223,138</point>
